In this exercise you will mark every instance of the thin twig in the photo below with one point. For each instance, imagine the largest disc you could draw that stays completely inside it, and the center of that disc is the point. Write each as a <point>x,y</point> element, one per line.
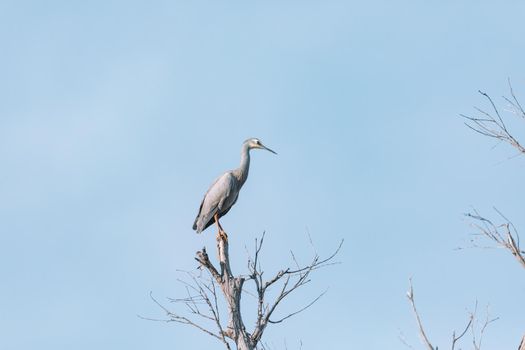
<point>410,296</point>
<point>456,339</point>
<point>503,235</point>
<point>494,126</point>
<point>300,310</point>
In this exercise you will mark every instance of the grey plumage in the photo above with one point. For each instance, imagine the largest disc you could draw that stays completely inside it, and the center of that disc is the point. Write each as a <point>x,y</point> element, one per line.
<point>224,191</point>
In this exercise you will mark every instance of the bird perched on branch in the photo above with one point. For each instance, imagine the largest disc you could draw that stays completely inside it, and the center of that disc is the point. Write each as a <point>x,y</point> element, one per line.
<point>224,191</point>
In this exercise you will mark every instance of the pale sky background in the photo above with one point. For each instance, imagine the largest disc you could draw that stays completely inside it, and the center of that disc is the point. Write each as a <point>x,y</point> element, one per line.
<point>117,115</point>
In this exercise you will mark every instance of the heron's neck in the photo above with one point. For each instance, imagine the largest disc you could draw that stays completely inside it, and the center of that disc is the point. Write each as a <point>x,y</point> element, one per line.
<point>242,171</point>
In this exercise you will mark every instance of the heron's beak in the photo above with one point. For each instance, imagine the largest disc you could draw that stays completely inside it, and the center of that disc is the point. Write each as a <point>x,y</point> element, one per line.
<point>266,148</point>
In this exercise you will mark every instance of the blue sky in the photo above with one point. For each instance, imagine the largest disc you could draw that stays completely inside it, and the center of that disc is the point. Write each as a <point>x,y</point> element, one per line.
<point>116,116</point>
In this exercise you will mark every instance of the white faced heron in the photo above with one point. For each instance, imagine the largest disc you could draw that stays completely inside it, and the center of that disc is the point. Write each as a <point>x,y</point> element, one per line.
<point>224,191</point>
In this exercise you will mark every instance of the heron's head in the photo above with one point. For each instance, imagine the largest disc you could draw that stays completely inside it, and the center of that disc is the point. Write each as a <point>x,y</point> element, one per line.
<point>256,143</point>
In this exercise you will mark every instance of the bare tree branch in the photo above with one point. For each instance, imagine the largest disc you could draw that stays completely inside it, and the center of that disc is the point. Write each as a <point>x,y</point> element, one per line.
<point>300,310</point>
<point>410,296</point>
<point>503,235</point>
<point>202,298</point>
<point>403,340</point>
<point>301,277</point>
<point>173,317</point>
<point>456,339</point>
<point>522,344</point>
<point>517,109</point>
<point>491,124</point>
<point>473,324</point>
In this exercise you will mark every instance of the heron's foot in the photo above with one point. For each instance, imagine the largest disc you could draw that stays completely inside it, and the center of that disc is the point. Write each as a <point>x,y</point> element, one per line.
<point>222,236</point>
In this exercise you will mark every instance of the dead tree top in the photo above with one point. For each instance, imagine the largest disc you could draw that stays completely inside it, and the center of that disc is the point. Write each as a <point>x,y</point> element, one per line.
<point>202,301</point>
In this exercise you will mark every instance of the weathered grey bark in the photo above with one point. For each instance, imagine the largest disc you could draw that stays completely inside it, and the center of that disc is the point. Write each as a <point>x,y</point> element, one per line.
<point>231,288</point>
<point>206,290</point>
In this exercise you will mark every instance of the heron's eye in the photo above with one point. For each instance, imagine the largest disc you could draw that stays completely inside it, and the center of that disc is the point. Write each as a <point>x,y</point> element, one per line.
<point>257,142</point>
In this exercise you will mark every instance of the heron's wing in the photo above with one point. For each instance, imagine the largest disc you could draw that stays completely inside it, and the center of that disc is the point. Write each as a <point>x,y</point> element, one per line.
<point>203,199</point>
<point>198,214</point>
<point>202,202</point>
<point>217,199</point>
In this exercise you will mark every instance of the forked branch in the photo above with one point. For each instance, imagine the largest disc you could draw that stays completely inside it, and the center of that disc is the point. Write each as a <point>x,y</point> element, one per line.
<point>491,124</point>
<point>202,300</point>
<point>504,235</point>
<point>291,279</point>
<point>422,333</point>
<point>476,326</point>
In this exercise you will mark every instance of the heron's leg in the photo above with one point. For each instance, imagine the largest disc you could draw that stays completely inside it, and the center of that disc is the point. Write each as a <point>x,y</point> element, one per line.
<point>216,218</point>
<point>221,234</point>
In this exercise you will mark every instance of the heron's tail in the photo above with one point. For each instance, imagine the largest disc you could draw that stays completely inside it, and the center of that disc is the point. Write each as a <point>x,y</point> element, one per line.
<point>195,227</point>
